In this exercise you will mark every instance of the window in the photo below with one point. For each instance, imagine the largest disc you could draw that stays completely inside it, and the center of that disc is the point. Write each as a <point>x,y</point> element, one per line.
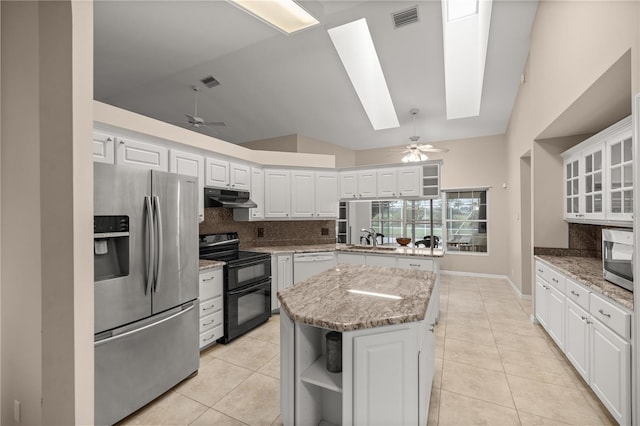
<point>387,218</point>
<point>466,221</point>
<point>411,219</point>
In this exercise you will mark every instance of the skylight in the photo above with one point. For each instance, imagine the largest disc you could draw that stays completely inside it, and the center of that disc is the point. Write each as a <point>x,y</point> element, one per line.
<point>357,52</point>
<point>465,35</point>
<point>285,15</point>
<point>458,9</point>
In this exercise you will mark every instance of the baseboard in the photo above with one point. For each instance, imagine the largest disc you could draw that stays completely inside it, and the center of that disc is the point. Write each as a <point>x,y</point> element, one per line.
<point>481,275</point>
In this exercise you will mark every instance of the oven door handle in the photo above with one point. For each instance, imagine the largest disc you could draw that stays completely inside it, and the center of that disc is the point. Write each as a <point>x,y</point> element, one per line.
<point>246,289</point>
<point>244,264</point>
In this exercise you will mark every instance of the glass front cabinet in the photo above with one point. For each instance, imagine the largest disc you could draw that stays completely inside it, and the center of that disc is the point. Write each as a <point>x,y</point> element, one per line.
<point>598,177</point>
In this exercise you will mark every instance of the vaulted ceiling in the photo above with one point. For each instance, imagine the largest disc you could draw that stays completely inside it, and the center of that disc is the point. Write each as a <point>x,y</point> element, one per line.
<point>148,55</point>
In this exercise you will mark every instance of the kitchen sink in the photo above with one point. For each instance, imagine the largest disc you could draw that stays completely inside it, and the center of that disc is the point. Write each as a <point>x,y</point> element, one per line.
<point>376,248</point>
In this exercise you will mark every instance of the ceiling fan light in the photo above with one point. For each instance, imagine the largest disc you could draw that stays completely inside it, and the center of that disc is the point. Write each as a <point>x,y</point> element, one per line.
<point>414,157</point>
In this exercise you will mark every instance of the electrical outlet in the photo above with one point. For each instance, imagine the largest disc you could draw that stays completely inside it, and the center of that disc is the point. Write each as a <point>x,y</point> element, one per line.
<point>16,411</point>
<point>260,232</point>
<point>324,231</point>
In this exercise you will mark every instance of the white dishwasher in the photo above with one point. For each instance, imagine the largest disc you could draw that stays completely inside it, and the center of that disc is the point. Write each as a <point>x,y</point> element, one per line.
<point>306,265</point>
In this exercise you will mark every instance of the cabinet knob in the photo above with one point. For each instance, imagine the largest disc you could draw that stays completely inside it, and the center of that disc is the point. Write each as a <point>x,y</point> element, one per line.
<point>583,318</point>
<point>432,328</point>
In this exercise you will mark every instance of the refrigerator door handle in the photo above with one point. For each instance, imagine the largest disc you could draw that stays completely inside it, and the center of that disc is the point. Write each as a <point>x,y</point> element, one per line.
<point>159,236</point>
<point>150,244</point>
<point>146,327</point>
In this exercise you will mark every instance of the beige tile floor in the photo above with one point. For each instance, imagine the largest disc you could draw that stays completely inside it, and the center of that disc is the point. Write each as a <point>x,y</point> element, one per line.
<point>493,367</point>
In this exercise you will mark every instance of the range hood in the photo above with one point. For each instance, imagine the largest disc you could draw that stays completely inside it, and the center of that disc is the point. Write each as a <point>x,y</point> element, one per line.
<point>215,197</point>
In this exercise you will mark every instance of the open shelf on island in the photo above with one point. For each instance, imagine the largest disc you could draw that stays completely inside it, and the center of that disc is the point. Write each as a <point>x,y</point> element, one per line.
<point>318,375</point>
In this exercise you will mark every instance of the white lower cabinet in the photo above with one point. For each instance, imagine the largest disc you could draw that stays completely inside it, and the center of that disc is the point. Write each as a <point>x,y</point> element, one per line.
<point>281,276</point>
<point>387,261</point>
<point>211,306</point>
<point>386,379</point>
<point>593,333</point>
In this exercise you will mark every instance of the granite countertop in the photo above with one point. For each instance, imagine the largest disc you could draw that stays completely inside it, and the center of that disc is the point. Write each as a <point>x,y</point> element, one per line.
<point>328,300</point>
<point>389,250</point>
<point>588,271</point>
<point>207,264</point>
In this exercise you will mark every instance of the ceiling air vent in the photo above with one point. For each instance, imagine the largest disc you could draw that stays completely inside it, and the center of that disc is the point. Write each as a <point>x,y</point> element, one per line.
<point>405,17</point>
<point>210,82</point>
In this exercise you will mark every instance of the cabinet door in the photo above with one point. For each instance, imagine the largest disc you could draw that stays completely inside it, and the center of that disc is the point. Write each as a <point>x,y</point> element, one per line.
<point>217,173</point>
<point>572,187</point>
<point>351,258</point>
<point>326,194</point>
<point>348,185</point>
<point>141,154</point>
<point>409,181</point>
<point>277,196</point>
<point>387,183</point>
<point>285,272</point>
<point>593,184</point>
<point>611,371</point>
<point>186,163</point>
<point>555,315</point>
<point>302,193</point>
<point>103,147</point>
<point>541,301</point>
<point>367,184</point>
<point>577,338</point>
<point>239,177</point>
<point>383,395</point>
<point>257,192</point>
<point>620,177</point>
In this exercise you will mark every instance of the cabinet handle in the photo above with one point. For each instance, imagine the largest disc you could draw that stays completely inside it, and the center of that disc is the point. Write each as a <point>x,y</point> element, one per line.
<point>210,307</point>
<point>432,328</point>
<point>583,318</point>
<point>604,313</point>
<point>208,338</point>
<point>413,264</point>
<point>207,323</point>
<point>354,195</point>
<point>540,270</point>
<point>589,322</point>
<point>575,294</point>
<point>109,139</point>
<point>121,142</point>
<point>554,280</point>
<point>209,279</point>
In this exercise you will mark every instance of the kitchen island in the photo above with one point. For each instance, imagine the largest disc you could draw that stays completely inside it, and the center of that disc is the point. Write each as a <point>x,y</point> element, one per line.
<point>386,317</point>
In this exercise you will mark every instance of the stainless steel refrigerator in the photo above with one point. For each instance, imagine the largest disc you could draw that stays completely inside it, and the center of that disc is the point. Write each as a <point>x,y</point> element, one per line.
<point>146,286</point>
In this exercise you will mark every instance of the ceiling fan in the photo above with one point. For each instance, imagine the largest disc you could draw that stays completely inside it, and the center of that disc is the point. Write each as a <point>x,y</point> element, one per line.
<point>416,151</point>
<point>194,121</point>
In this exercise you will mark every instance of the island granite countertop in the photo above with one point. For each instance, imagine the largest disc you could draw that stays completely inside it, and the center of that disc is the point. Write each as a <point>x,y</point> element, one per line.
<point>588,271</point>
<point>354,297</point>
<point>209,264</point>
<point>317,248</point>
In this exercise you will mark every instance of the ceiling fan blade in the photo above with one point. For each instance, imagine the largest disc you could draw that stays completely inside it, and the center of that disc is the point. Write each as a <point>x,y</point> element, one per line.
<point>214,123</point>
<point>434,149</point>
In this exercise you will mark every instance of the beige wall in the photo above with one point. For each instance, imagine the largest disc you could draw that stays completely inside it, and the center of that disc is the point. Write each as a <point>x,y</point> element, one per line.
<point>572,44</point>
<point>473,162</point>
<point>47,296</point>
<point>288,143</point>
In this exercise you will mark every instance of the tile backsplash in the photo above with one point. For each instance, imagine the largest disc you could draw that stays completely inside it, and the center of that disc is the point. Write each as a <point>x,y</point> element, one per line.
<point>269,233</point>
<point>584,241</point>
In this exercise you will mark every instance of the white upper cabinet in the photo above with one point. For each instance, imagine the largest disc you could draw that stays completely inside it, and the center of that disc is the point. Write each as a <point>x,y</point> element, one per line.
<point>302,193</point>
<point>187,163</point>
<point>277,196</point>
<point>367,184</point>
<point>103,146</point>
<point>326,186</point>
<point>387,183</point>
<point>593,182</point>
<point>598,177</point>
<point>257,192</point>
<point>431,180</point>
<point>141,154</point>
<point>409,181</point>
<point>348,185</point>
<point>228,175</point>
<point>620,176</point>
<point>572,193</point>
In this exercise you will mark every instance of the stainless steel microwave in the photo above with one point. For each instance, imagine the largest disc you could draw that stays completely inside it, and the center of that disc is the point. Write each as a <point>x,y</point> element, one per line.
<point>617,257</point>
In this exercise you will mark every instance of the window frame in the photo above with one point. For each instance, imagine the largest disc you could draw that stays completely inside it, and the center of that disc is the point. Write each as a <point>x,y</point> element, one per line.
<point>445,220</point>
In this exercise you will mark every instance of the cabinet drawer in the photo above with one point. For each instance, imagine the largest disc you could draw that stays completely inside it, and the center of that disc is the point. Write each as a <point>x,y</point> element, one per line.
<point>415,263</point>
<point>211,336</point>
<point>210,306</point>
<point>542,270</point>
<point>556,280</point>
<point>211,321</point>
<point>577,293</point>
<point>610,315</point>
<point>210,284</point>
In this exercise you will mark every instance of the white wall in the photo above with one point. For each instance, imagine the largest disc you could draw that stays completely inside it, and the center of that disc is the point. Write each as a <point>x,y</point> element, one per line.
<point>573,43</point>
<point>47,274</point>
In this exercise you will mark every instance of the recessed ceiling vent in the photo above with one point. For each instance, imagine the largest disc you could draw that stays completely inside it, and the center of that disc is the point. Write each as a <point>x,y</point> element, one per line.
<point>210,82</point>
<point>405,17</point>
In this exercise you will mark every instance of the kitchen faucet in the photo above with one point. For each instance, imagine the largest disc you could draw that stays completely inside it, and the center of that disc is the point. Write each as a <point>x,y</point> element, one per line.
<point>371,235</point>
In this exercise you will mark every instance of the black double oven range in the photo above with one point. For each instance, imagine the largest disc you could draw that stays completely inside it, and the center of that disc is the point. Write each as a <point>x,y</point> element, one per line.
<point>247,283</point>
